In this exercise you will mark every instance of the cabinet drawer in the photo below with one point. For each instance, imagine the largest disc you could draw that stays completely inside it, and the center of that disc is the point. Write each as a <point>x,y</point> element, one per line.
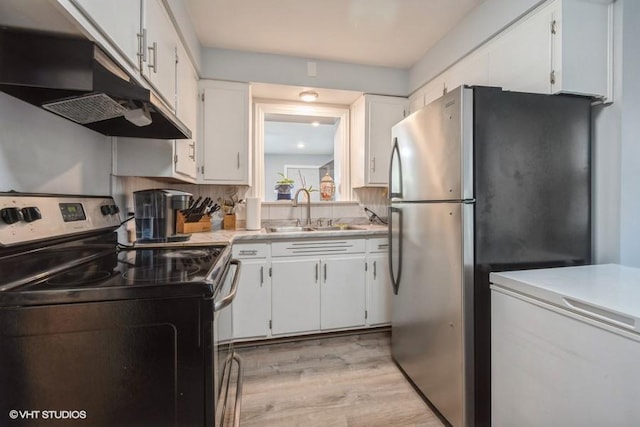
<point>378,245</point>
<point>318,247</point>
<point>249,251</point>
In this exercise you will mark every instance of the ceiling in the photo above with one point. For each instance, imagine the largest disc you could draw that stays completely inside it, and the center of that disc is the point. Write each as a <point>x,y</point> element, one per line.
<point>390,33</point>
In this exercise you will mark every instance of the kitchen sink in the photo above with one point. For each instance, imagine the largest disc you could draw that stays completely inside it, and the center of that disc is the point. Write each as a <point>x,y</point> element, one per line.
<point>288,229</point>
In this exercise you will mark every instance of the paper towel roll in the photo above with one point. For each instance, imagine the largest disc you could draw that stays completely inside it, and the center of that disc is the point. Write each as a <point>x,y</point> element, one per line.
<point>253,213</point>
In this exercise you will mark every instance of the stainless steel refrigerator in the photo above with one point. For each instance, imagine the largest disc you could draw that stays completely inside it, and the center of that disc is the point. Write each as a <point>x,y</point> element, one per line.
<point>481,180</point>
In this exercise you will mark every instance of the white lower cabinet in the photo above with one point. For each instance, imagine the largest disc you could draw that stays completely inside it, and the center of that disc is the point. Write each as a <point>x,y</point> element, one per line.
<point>251,306</point>
<point>378,283</point>
<point>300,287</point>
<point>342,292</point>
<point>314,289</point>
<point>295,296</point>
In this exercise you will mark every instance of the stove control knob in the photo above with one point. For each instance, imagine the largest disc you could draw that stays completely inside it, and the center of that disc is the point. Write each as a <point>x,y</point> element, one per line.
<point>105,209</point>
<point>115,209</point>
<point>10,215</point>
<point>31,213</point>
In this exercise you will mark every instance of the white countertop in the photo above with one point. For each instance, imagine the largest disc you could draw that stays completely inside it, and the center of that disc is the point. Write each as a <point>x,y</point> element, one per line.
<point>223,237</point>
<point>608,292</point>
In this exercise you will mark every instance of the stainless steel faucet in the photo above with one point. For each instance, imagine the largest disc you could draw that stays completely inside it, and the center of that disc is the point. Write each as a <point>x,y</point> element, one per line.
<point>295,203</point>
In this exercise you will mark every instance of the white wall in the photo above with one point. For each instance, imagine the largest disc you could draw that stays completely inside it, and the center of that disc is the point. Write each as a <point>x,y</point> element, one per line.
<point>629,105</point>
<point>233,65</point>
<point>41,152</point>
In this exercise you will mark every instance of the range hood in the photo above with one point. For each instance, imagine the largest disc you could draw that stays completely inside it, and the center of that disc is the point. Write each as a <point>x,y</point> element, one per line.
<point>73,78</point>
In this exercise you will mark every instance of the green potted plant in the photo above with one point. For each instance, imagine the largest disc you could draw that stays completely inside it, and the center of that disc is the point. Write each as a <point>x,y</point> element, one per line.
<point>284,186</point>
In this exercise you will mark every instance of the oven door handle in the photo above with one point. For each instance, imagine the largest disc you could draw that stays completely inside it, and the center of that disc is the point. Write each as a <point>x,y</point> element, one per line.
<point>220,304</point>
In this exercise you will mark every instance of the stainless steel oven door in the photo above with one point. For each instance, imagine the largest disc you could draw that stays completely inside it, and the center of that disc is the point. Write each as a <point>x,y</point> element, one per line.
<point>227,411</point>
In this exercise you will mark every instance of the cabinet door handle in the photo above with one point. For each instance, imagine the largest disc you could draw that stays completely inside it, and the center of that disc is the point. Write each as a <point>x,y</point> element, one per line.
<point>192,146</point>
<point>248,252</point>
<point>373,164</point>
<point>325,273</point>
<point>316,272</point>
<point>238,161</point>
<point>261,276</point>
<point>375,272</point>
<point>142,47</point>
<point>154,66</point>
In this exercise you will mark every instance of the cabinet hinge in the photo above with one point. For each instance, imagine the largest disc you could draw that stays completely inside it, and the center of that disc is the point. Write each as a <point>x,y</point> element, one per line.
<point>270,271</point>
<point>366,314</point>
<point>553,27</point>
<point>175,158</point>
<point>552,77</point>
<point>270,325</point>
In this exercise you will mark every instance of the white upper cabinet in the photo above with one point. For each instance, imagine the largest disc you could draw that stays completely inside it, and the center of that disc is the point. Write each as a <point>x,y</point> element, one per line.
<point>372,117</point>
<point>225,138</point>
<point>160,41</point>
<point>187,112</point>
<point>187,91</point>
<point>564,46</point>
<point>118,21</point>
<point>582,47</point>
<point>520,58</point>
<point>156,158</point>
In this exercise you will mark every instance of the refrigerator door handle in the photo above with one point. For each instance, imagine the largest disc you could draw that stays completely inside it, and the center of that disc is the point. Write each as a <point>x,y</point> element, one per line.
<point>395,274</point>
<point>395,167</point>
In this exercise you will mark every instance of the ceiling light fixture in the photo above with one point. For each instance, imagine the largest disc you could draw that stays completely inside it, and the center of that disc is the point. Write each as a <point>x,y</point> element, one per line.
<point>308,96</point>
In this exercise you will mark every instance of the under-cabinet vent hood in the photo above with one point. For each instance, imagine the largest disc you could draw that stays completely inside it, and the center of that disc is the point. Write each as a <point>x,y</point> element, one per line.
<point>73,78</point>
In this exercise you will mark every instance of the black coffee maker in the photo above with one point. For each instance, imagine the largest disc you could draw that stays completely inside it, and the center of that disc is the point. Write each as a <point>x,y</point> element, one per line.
<point>156,211</point>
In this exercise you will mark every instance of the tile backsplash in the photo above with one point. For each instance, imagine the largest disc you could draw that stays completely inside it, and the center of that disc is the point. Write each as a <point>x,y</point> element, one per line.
<point>271,212</point>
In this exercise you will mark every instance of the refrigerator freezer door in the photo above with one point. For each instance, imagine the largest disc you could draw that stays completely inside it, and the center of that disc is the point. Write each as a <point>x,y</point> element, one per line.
<point>432,316</point>
<point>432,157</point>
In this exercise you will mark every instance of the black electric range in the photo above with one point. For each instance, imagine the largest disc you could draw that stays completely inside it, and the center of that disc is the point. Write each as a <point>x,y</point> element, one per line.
<point>100,334</point>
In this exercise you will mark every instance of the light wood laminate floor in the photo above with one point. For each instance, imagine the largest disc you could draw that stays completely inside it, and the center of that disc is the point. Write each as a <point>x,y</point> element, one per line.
<point>335,381</point>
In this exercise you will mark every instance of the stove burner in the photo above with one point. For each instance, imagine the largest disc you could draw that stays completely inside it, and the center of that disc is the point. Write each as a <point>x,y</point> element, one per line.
<point>160,274</point>
<point>78,277</point>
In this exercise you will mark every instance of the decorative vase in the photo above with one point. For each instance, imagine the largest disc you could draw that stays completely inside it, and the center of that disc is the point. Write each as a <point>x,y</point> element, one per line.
<point>327,188</point>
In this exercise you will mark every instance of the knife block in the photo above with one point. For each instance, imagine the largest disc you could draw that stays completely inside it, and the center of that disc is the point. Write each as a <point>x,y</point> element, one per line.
<point>192,227</point>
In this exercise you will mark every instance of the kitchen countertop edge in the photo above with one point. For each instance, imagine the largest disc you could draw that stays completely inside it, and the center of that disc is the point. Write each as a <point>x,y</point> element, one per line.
<point>225,237</point>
